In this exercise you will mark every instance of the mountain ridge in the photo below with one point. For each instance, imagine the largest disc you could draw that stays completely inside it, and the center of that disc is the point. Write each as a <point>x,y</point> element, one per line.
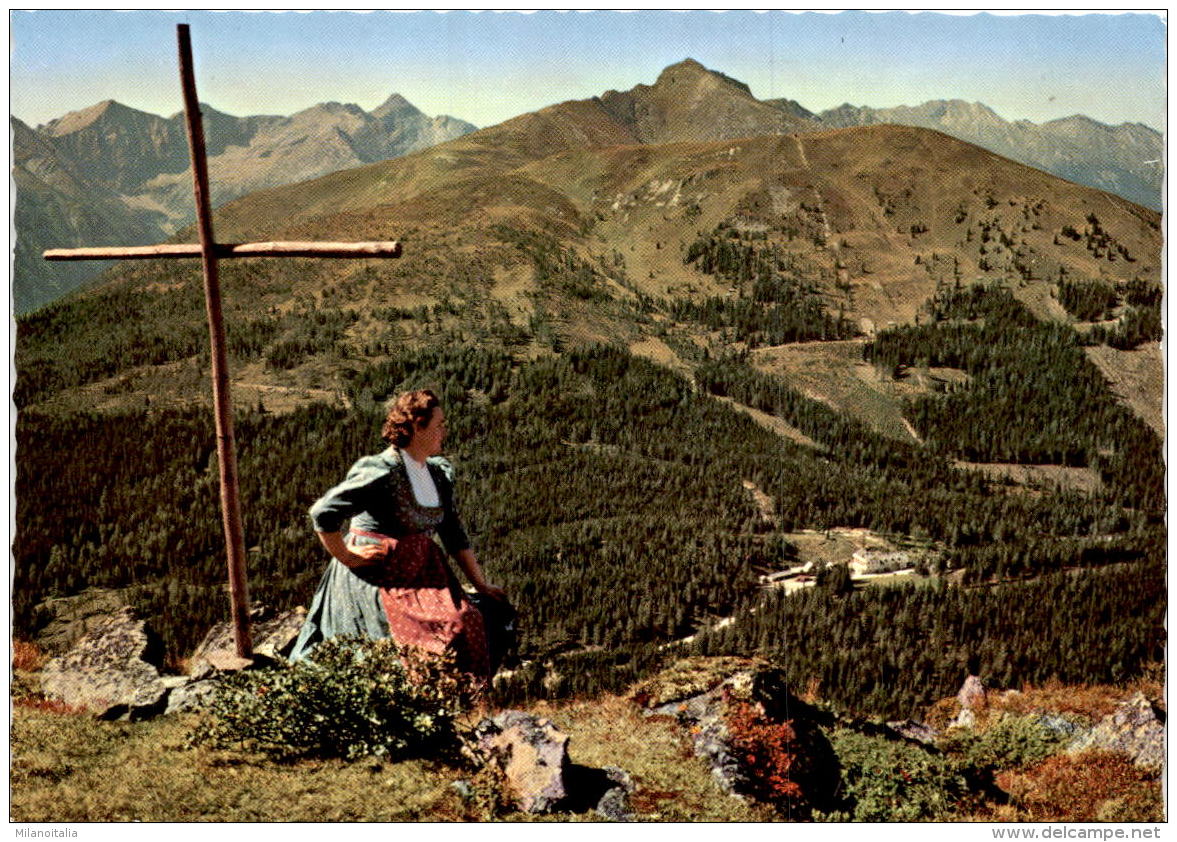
<point>1123,159</point>
<point>146,158</point>
<point>135,166</point>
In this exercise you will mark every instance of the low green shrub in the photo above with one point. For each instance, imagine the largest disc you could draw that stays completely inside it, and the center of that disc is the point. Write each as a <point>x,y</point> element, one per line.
<point>355,698</point>
<point>888,781</point>
<point>1007,742</point>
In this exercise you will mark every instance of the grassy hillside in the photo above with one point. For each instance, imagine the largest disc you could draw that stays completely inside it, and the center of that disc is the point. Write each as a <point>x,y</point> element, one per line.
<point>68,767</point>
<point>596,245</point>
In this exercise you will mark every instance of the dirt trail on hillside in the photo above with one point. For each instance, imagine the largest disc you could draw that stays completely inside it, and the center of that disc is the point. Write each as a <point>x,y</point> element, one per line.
<point>772,423</point>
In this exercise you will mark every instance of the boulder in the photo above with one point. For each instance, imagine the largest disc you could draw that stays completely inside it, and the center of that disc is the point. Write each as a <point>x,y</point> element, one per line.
<point>191,696</point>
<point>113,671</point>
<point>736,686</point>
<point>972,694</point>
<point>531,753</point>
<point>688,678</point>
<point>66,620</point>
<point>273,637</point>
<point>1134,728</point>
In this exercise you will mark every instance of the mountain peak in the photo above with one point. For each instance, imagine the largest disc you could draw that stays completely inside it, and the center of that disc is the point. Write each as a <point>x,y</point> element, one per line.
<point>77,120</point>
<point>395,104</point>
<point>689,71</point>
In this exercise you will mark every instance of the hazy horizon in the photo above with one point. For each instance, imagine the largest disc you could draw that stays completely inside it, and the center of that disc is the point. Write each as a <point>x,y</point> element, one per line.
<point>488,67</point>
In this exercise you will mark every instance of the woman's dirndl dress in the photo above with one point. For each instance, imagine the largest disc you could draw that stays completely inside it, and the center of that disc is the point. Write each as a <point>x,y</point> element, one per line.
<point>412,595</point>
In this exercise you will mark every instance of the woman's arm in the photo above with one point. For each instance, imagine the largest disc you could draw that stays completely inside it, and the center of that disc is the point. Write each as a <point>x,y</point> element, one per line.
<point>362,556</point>
<point>355,494</point>
<point>469,564</point>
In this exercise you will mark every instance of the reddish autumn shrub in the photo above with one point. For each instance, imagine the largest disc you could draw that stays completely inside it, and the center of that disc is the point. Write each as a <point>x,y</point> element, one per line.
<point>27,656</point>
<point>46,705</point>
<point>1094,786</point>
<point>768,753</point>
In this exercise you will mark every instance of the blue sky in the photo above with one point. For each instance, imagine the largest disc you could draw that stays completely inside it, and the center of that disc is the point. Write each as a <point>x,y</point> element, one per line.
<point>487,67</point>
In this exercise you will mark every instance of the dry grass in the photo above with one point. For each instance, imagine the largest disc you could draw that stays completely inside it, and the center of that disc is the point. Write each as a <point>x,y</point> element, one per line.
<point>1094,786</point>
<point>1093,701</point>
<point>672,784</point>
<point>772,423</point>
<point>834,373</point>
<point>1138,378</point>
<point>74,768</point>
<point>1090,702</point>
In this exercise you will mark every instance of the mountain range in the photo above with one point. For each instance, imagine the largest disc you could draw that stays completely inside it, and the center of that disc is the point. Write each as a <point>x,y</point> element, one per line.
<point>553,225</point>
<point>1127,159</point>
<point>113,175</point>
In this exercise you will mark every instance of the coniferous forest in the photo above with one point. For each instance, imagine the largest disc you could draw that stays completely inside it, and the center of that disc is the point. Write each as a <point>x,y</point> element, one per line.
<point>606,494</point>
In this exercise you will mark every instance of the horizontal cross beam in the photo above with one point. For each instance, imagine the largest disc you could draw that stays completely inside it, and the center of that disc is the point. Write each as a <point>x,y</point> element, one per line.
<point>379,249</point>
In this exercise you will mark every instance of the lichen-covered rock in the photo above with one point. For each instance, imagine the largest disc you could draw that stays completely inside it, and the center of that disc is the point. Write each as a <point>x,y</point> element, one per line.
<point>1057,725</point>
<point>1133,728</point>
<point>689,677</point>
<point>749,688</point>
<point>273,637</point>
<point>111,671</point>
<point>68,619</point>
<point>973,694</point>
<point>912,730</point>
<point>704,718</point>
<point>532,754</point>
<point>191,696</point>
<point>614,803</point>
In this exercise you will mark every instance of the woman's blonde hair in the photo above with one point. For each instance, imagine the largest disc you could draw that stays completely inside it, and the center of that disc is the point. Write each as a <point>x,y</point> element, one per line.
<point>406,413</point>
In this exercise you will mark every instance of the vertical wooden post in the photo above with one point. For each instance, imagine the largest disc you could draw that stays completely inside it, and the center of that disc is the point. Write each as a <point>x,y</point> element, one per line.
<point>226,451</point>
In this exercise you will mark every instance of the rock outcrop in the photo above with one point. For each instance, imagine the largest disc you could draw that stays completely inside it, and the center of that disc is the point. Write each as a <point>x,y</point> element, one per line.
<point>273,637</point>
<point>112,671</point>
<point>613,805</point>
<point>532,754</point>
<point>1134,728</point>
<point>972,694</point>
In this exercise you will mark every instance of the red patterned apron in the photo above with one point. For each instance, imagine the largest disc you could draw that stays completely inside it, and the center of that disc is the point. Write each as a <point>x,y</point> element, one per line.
<point>424,604</point>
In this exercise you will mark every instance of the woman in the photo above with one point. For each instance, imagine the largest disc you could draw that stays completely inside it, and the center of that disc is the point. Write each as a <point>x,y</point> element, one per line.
<point>389,578</point>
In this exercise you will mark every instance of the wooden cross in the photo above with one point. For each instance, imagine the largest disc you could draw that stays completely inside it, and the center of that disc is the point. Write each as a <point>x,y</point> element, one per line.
<point>209,251</point>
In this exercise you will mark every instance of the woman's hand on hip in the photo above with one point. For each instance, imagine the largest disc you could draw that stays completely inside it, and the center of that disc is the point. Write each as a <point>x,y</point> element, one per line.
<point>363,555</point>
<point>355,555</point>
